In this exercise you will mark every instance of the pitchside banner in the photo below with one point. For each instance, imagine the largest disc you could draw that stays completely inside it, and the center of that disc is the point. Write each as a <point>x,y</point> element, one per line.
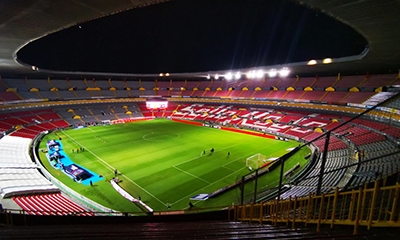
<point>202,197</point>
<point>126,195</point>
<point>211,126</point>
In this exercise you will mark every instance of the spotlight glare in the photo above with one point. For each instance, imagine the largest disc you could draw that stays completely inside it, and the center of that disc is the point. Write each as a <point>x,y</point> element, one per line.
<point>208,76</point>
<point>272,73</point>
<point>216,76</point>
<point>284,72</point>
<point>251,74</point>
<point>238,75</point>
<point>260,74</point>
<point>312,62</point>
<point>228,76</point>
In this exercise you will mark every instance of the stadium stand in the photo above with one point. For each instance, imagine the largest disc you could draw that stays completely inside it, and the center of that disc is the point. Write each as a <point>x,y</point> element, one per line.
<point>349,154</point>
<point>343,149</point>
<point>347,82</point>
<point>292,89</point>
<point>363,151</point>
<point>17,171</point>
<point>50,204</point>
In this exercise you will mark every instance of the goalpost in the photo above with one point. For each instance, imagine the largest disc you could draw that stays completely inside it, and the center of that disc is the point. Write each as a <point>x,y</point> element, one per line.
<point>255,161</point>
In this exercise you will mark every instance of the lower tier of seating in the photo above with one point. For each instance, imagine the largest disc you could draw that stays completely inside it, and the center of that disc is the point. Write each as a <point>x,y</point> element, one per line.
<point>50,204</point>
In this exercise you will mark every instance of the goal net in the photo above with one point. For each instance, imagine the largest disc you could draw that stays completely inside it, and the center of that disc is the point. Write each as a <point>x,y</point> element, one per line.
<point>255,161</point>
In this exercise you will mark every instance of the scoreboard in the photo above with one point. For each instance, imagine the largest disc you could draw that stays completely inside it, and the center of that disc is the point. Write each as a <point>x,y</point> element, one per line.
<point>156,104</point>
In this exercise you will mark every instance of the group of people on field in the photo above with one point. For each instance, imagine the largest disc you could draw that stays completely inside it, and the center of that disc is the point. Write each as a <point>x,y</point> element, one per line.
<point>81,149</point>
<point>212,152</point>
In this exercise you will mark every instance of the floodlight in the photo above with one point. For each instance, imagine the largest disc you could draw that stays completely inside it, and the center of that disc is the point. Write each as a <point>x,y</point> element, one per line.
<point>161,74</point>
<point>327,61</point>
<point>216,76</point>
<point>238,75</point>
<point>251,74</point>
<point>228,76</point>
<point>167,74</point>
<point>284,72</point>
<point>272,73</point>
<point>208,76</point>
<point>259,73</point>
<point>312,62</point>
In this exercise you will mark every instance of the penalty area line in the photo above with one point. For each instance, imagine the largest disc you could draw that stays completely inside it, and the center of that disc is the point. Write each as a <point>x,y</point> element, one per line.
<point>188,173</point>
<point>195,192</point>
<point>112,168</point>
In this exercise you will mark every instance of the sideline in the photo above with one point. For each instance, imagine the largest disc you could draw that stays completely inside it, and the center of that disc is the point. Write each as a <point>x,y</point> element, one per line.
<point>112,168</point>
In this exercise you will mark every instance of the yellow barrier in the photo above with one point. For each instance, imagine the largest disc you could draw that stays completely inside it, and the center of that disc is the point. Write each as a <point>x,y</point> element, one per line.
<point>373,207</point>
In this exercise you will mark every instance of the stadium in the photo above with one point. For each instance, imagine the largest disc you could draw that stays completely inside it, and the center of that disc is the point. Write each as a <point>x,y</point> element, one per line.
<point>304,147</point>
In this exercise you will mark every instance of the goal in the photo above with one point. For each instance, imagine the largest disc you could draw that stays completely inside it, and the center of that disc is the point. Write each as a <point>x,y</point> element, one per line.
<point>255,161</point>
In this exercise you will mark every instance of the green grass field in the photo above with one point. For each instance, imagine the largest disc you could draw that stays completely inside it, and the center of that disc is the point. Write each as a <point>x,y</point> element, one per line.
<point>161,161</point>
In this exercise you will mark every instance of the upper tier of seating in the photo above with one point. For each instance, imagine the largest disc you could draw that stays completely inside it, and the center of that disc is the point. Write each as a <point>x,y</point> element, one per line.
<point>353,89</point>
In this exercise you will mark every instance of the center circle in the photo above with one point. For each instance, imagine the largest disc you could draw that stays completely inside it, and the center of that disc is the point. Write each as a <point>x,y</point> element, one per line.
<point>154,136</point>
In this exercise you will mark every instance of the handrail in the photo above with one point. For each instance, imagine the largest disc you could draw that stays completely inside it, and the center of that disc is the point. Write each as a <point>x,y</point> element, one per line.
<point>370,207</point>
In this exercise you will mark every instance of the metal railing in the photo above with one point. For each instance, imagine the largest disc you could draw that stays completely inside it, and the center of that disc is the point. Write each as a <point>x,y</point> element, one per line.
<point>371,207</point>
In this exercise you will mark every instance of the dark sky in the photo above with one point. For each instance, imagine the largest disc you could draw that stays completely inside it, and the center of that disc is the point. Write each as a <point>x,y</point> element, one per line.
<point>195,36</point>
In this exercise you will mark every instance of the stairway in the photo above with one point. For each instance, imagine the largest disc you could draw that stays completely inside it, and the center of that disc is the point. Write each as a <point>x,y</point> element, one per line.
<point>174,230</point>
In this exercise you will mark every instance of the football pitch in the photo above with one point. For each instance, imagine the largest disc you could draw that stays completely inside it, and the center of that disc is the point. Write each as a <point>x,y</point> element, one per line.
<point>162,161</point>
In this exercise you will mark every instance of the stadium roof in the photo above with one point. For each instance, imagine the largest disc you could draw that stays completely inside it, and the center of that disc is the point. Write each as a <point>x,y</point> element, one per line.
<point>377,20</point>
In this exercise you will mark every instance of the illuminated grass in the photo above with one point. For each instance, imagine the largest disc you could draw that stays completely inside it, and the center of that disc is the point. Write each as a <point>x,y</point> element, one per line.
<point>161,161</point>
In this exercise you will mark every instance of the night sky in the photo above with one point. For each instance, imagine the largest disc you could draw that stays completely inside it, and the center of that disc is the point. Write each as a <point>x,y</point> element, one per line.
<point>195,36</point>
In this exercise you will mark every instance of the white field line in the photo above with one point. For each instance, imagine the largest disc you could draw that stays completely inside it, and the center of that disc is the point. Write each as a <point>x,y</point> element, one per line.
<point>118,145</point>
<point>112,168</point>
<point>191,195</point>
<point>236,159</point>
<point>86,149</point>
<point>203,155</point>
<point>188,173</point>
<point>154,139</point>
<point>224,166</point>
<point>209,184</point>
